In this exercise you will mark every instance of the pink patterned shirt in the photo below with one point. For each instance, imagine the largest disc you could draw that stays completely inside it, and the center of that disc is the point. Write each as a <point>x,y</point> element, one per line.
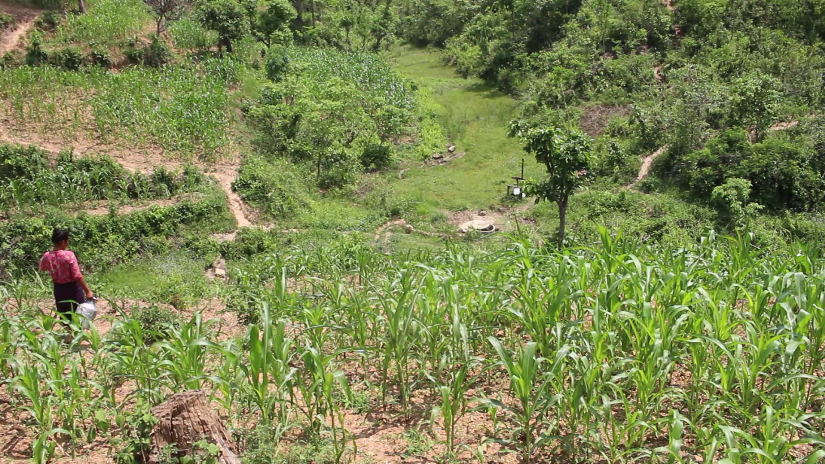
<point>62,265</point>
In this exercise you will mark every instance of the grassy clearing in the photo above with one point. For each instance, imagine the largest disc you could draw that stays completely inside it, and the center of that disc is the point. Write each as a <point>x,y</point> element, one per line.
<point>475,118</point>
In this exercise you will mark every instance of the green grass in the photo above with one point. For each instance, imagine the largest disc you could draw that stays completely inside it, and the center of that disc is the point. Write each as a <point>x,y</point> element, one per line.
<point>475,118</point>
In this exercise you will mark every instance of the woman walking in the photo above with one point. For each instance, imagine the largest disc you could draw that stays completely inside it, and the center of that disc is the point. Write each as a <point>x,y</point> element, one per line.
<point>70,288</point>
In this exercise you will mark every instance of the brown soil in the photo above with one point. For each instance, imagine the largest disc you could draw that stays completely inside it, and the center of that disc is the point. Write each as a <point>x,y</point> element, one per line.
<point>23,22</point>
<point>595,119</point>
<point>647,163</point>
<point>780,126</point>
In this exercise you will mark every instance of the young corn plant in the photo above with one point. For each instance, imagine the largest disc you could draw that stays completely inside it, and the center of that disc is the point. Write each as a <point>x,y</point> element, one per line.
<point>529,390</point>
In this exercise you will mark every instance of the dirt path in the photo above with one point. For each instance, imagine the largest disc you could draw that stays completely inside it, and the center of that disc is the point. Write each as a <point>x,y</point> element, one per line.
<point>23,22</point>
<point>225,178</point>
<point>647,164</point>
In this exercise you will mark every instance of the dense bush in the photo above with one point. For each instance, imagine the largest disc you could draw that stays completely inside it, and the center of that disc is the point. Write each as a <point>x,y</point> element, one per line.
<point>275,186</point>
<point>785,173</point>
<point>337,112</point>
<point>101,241</point>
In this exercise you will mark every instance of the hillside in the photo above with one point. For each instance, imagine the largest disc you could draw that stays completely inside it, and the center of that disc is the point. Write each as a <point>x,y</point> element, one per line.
<point>306,210</point>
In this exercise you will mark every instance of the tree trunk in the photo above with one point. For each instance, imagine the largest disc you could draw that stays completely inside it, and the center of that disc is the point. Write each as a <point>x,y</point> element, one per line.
<point>312,11</point>
<point>562,222</point>
<point>81,6</point>
<point>186,418</point>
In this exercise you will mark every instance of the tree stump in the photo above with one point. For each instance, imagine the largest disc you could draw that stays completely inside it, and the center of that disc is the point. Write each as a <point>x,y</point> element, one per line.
<point>186,418</point>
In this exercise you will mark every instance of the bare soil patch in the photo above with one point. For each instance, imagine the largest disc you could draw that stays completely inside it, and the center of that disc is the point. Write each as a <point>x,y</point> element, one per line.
<point>24,17</point>
<point>595,119</point>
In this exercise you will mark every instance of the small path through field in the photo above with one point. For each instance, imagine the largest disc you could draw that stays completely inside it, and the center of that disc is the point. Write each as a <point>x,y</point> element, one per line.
<point>647,163</point>
<point>23,22</point>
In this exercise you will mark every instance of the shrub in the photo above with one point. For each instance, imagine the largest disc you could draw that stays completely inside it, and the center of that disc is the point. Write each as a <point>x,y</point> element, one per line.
<point>157,53</point>
<point>35,55</point>
<point>376,157</point>
<point>100,57</point>
<point>156,322</point>
<point>274,186</point>
<point>69,58</point>
<point>6,20</point>
<point>49,21</point>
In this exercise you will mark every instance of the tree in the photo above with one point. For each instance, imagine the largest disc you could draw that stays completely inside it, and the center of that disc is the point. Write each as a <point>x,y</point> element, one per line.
<point>226,17</point>
<point>271,22</point>
<point>733,197</point>
<point>755,103</point>
<point>166,10</point>
<point>566,155</point>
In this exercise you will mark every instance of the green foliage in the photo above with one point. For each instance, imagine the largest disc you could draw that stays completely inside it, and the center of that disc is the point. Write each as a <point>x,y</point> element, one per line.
<point>155,54</point>
<point>6,20</point>
<point>35,55</point>
<point>733,197</point>
<point>337,112</point>
<point>187,33</point>
<point>105,22</point>
<point>135,443</point>
<point>271,22</point>
<point>755,102</point>
<point>785,173</point>
<point>69,58</point>
<point>566,157</point>
<point>226,17</point>
<point>27,180</point>
<point>48,21</point>
<point>181,108</point>
<point>156,322</point>
<point>275,186</point>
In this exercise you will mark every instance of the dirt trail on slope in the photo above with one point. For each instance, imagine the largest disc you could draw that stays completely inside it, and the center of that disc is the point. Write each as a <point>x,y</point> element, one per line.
<point>225,178</point>
<point>23,22</point>
<point>647,164</point>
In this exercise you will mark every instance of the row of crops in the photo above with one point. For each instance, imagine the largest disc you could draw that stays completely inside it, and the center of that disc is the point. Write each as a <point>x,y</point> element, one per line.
<point>182,109</point>
<point>613,353</point>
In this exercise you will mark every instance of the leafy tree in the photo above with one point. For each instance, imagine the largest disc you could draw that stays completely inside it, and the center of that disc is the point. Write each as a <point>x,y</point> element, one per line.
<point>226,17</point>
<point>167,10</point>
<point>733,198</point>
<point>566,155</point>
<point>272,20</point>
<point>755,102</point>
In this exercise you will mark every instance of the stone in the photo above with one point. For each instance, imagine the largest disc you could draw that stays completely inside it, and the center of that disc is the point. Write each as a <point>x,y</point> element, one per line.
<point>451,148</point>
<point>438,156</point>
<point>220,272</point>
<point>477,224</point>
<point>482,213</point>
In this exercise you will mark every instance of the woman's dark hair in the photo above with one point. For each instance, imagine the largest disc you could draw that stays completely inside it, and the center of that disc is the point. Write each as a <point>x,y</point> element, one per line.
<point>58,235</point>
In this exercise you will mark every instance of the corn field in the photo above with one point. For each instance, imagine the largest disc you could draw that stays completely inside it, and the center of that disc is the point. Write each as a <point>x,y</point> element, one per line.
<point>613,353</point>
<point>182,109</point>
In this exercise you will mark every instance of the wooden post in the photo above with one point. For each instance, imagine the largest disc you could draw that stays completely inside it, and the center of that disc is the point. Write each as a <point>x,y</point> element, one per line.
<point>186,418</point>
